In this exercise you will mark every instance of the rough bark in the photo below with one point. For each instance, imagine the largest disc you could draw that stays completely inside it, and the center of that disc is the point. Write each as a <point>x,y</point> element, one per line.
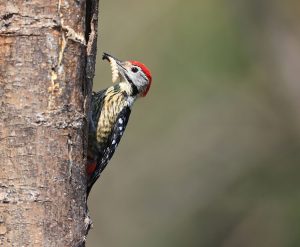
<point>47,58</point>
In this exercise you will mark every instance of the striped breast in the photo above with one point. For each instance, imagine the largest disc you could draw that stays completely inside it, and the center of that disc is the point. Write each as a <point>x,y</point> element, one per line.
<point>113,103</point>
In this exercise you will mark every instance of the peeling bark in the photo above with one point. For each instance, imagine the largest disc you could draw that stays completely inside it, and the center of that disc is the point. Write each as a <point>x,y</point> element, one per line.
<point>47,60</point>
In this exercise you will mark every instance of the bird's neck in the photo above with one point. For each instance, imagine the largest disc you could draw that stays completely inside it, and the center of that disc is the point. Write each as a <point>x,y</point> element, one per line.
<point>125,87</point>
<point>126,90</point>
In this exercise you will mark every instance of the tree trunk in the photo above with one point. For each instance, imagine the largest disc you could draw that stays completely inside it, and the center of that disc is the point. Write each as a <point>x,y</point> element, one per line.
<point>47,58</point>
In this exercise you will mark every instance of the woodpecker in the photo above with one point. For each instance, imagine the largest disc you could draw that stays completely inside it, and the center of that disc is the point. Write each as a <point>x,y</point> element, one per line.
<point>110,112</point>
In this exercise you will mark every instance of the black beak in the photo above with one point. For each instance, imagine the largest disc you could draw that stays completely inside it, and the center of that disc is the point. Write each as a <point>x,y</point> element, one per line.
<point>108,57</point>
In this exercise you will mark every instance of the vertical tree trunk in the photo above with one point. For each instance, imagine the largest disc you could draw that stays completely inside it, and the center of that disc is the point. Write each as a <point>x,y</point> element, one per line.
<point>47,57</point>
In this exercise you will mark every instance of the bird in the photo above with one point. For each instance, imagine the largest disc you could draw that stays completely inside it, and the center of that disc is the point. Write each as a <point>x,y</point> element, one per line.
<point>110,112</point>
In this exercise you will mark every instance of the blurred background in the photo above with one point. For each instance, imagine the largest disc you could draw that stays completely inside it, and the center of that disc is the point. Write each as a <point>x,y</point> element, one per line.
<point>211,156</point>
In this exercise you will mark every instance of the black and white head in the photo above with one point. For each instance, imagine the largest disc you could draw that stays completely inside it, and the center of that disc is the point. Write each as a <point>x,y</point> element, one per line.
<point>133,72</point>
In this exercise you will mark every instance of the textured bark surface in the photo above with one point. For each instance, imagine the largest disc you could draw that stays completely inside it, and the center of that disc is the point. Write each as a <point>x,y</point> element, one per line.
<point>47,58</point>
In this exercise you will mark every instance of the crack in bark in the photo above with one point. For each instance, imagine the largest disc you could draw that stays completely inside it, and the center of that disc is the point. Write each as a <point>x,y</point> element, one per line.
<point>88,18</point>
<point>8,16</point>
<point>16,24</point>
<point>57,118</point>
<point>91,24</point>
<point>70,153</point>
<point>9,194</point>
<point>14,34</point>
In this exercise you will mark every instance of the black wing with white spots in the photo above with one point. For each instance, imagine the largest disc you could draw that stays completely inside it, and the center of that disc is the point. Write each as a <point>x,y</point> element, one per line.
<point>113,140</point>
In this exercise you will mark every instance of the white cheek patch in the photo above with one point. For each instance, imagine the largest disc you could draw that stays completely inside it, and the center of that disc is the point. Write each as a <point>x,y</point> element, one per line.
<point>114,70</point>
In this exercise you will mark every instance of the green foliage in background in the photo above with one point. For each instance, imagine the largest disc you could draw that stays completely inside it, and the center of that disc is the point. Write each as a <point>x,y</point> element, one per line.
<point>211,156</point>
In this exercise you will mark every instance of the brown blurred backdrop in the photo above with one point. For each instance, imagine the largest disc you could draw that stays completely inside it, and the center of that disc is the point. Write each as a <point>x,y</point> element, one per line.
<point>211,156</point>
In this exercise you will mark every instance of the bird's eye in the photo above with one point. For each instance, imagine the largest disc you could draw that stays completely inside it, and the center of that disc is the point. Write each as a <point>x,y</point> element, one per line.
<point>134,69</point>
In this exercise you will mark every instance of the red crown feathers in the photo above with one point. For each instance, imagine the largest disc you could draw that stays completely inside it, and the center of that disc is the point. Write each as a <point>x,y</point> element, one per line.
<point>146,72</point>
